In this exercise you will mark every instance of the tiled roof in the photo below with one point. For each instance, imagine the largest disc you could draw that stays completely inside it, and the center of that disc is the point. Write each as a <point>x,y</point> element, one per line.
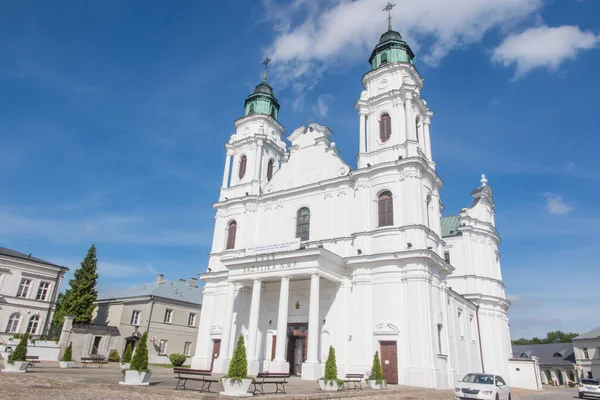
<point>15,254</point>
<point>450,226</point>
<point>174,290</point>
<point>593,334</point>
<point>546,352</point>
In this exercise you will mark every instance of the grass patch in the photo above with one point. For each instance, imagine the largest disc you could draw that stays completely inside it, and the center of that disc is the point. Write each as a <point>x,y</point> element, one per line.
<point>168,366</point>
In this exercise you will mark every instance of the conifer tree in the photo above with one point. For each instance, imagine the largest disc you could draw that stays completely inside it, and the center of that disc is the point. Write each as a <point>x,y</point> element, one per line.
<point>238,368</point>
<point>79,298</point>
<point>127,355</point>
<point>376,371</point>
<point>68,356</point>
<point>331,367</point>
<point>139,362</point>
<point>20,353</point>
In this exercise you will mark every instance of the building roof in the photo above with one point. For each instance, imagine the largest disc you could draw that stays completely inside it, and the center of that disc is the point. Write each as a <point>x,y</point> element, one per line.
<point>547,353</point>
<point>593,334</point>
<point>175,290</point>
<point>450,226</point>
<point>15,254</point>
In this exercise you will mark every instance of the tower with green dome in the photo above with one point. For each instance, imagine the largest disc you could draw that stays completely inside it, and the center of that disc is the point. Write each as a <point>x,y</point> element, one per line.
<point>391,47</point>
<point>262,100</point>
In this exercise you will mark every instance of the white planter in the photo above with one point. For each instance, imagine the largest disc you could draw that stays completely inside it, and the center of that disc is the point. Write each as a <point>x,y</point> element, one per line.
<point>236,388</point>
<point>136,378</point>
<point>125,365</point>
<point>17,366</point>
<point>374,385</point>
<point>329,386</point>
<point>67,364</point>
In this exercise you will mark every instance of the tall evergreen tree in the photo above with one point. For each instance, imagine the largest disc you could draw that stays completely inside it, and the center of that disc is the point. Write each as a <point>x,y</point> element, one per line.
<point>79,298</point>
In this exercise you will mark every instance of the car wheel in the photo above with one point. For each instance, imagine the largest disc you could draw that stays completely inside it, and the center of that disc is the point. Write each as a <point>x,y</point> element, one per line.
<point>581,395</point>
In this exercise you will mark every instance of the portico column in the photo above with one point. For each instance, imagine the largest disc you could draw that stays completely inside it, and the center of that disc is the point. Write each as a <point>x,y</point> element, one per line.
<point>253,327</point>
<point>226,171</point>
<point>279,364</point>
<point>227,318</point>
<point>312,368</point>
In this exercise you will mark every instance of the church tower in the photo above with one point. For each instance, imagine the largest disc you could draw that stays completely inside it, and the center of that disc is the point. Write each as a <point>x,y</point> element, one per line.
<point>255,151</point>
<point>394,120</point>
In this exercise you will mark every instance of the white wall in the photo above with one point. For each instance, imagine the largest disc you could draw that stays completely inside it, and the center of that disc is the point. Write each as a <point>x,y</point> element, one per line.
<point>525,374</point>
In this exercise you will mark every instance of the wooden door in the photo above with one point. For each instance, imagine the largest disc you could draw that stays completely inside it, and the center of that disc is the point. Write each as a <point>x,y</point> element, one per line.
<point>273,347</point>
<point>389,361</point>
<point>216,351</point>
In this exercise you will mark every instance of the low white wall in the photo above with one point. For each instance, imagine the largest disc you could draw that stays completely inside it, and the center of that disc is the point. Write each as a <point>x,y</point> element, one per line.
<point>46,350</point>
<point>525,374</point>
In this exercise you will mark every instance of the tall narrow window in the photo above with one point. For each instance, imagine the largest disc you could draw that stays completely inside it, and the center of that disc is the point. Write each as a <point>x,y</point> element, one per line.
<point>386,209</point>
<point>417,128</point>
<point>231,230</point>
<point>43,291</point>
<point>168,316</point>
<point>270,169</point>
<point>447,256</point>
<point>243,162</point>
<point>24,287</point>
<point>303,224</point>
<point>135,317</point>
<point>385,128</point>
<point>192,319</point>
<point>461,331</point>
<point>251,108</point>
<point>384,59</point>
<point>273,112</point>
<point>162,348</point>
<point>13,323</point>
<point>585,353</point>
<point>187,348</point>
<point>33,324</point>
<point>439,335</point>
<point>427,205</point>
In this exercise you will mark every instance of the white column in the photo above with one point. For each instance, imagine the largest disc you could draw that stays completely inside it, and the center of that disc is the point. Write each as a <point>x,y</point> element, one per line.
<point>427,138</point>
<point>258,161</point>
<point>227,318</point>
<point>279,364</point>
<point>226,171</point>
<point>253,327</point>
<point>311,369</point>
<point>362,130</point>
<point>410,120</point>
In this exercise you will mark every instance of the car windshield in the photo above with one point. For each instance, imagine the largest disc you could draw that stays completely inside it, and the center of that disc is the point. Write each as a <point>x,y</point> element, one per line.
<point>479,378</point>
<point>590,381</point>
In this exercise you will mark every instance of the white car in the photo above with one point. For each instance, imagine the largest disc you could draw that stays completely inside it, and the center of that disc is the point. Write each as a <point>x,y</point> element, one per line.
<point>482,387</point>
<point>588,387</point>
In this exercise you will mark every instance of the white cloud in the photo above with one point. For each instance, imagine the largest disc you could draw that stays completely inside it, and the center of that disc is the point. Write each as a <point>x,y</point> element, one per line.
<point>543,47</point>
<point>336,31</point>
<point>322,106</point>
<point>556,205</point>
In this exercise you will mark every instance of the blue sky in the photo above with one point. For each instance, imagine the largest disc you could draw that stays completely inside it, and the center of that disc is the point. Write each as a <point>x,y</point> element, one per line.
<point>113,117</point>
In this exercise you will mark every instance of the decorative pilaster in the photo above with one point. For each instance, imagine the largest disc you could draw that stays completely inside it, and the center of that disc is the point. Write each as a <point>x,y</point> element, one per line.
<point>253,327</point>
<point>222,363</point>
<point>226,171</point>
<point>362,133</point>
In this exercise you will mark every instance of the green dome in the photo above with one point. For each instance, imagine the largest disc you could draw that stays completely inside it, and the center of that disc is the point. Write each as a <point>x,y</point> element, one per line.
<point>262,101</point>
<point>391,48</point>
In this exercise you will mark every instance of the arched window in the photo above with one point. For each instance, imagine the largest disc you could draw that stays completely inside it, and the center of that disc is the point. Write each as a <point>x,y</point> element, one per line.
<point>427,206</point>
<point>303,224</point>
<point>33,324</point>
<point>557,355</point>
<point>251,108</point>
<point>243,162</point>
<point>524,355</point>
<point>385,128</point>
<point>13,323</point>
<point>383,59</point>
<point>231,230</point>
<point>270,169</point>
<point>386,209</point>
<point>417,128</point>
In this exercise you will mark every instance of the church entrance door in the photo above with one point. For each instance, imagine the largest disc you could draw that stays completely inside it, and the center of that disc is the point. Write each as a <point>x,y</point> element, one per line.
<point>215,352</point>
<point>389,361</point>
<point>296,349</point>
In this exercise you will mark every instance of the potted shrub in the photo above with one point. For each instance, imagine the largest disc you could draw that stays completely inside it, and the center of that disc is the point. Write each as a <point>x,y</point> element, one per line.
<point>330,381</point>
<point>236,382</point>
<point>113,355</point>
<point>126,360</point>
<point>67,358</point>
<point>17,362</point>
<point>177,359</point>
<point>138,373</point>
<point>376,379</point>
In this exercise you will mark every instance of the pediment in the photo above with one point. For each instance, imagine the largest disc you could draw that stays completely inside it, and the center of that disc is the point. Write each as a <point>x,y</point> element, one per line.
<point>313,158</point>
<point>386,328</point>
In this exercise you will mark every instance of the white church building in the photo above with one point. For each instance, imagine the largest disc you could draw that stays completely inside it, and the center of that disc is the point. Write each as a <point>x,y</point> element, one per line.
<point>310,253</point>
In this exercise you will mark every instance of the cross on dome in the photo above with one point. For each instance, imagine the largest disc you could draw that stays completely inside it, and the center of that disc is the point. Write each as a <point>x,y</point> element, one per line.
<point>266,63</point>
<point>388,8</point>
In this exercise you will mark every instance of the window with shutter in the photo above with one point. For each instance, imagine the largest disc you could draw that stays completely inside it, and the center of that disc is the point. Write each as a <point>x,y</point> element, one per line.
<point>385,128</point>
<point>386,209</point>
<point>231,231</point>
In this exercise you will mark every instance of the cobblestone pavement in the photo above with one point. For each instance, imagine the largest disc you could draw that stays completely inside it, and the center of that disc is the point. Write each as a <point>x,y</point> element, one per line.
<point>50,382</point>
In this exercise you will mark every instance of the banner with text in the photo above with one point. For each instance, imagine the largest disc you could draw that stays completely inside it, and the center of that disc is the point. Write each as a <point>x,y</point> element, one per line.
<point>273,248</point>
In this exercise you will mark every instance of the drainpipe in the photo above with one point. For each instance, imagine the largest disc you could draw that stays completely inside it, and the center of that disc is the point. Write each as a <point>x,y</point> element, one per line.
<point>53,301</point>
<point>479,336</point>
<point>150,316</point>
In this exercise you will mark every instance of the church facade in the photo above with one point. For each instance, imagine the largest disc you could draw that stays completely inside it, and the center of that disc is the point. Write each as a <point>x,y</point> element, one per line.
<point>310,253</point>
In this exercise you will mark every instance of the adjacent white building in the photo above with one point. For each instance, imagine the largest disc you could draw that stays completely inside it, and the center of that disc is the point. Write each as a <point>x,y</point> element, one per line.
<point>587,353</point>
<point>309,252</point>
<point>28,291</point>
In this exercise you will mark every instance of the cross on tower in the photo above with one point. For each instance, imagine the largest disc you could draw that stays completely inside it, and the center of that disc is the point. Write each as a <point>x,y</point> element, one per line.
<point>388,8</point>
<point>266,63</point>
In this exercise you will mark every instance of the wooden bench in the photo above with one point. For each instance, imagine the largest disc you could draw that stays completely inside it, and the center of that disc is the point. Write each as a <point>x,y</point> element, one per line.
<point>201,375</point>
<point>100,361</point>
<point>270,378</point>
<point>354,379</point>
<point>32,360</point>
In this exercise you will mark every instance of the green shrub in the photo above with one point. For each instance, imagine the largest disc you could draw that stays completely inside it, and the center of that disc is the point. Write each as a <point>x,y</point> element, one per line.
<point>54,339</point>
<point>20,353</point>
<point>68,356</point>
<point>127,355</point>
<point>177,359</point>
<point>376,371</point>
<point>16,336</point>
<point>139,362</point>
<point>113,355</point>
<point>331,368</point>
<point>238,368</point>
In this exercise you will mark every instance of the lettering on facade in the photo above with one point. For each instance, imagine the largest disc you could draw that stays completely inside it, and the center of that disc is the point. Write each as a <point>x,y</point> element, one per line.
<point>268,268</point>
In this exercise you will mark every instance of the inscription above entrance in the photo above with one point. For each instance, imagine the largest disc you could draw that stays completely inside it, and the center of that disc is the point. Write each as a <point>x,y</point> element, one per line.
<point>268,268</point>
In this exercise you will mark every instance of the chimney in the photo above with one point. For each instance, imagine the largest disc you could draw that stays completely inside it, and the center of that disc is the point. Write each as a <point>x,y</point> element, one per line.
<point>181,280</point>
<point>192,282</point>
<point>159,279</point>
